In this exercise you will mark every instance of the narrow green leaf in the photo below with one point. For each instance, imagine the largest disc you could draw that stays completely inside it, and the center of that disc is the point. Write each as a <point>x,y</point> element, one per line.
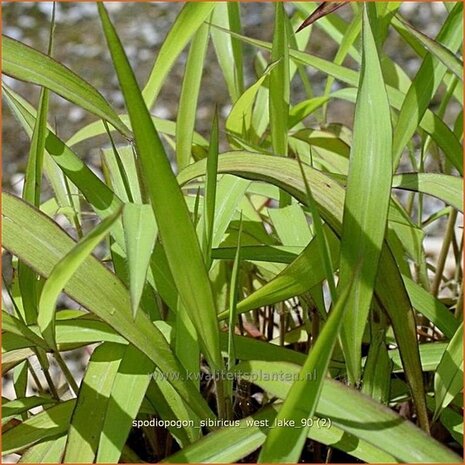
<point>32,191</point>
<point>27,64</point>
<point>431,307</point>
<point>62,273</point>
<point>97,128</point>
<point>51,423</point>
<point>299,234</point>
<point>102,199</point>
<point>187,23</point>
<point>89,413</point>
<point>169,406</point>
<point>262,253</point>
<point>50,451</point>
<point>454,64</point>
<point>377,370</point>
<point>425,84</point>
<point>228,51</point>
<point>121,176</point>
<point>211,183</point>
<point>323,246</point>
<point>430,355</point>
<point>448,379</point>
<point>452,420</point>
<point>367,198</point>
<point>229,192</point>
<point>16,326</point>
<point>185,121</point>
<point>128,390</point>
<point>447,188</point>
<point>346,44</point>
<point>279,93</point>
<point>140,232</point>
<point>303,273</point>
<point>23,404</point>
<point>234,16</point>
<point>233,295</point>
<point>239,120</point>
<point>176,231</point>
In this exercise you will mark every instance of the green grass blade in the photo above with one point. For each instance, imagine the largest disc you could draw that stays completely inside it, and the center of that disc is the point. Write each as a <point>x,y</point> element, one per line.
<point>377,370</point>
<point>51,423</point>
<point>234,290</point>
<point>46,452</point>
<point>432,308</point>
<point>62,273</point>
<point>299,234</point>
<point>169,406</point>
<point>140,232</point>
<point>425,84</point>
<point>234,16</point>
<point>453,64</point>
<point>228,50</point>
<point>32,191</point>
<point>25,63</point>
<point>176,231</point>
<point>15,326</point>
<point>448,378</point>
<point>333,25</point>
<point>279,84</point>
<point>284,444</point>
<point>447,188</point>
<point>120,173</point>
<point>88,415</point>
<point>346,44</point>
<point>367,198</point>
<point>11,408</point>
<point>229,192</point>
<point>211,184</point>
<point>128,390</point>
<point>263,253</point>
<point>187,107</point>
<point>239,120</point>
<point>187,23</point>
<point>323,246</point>
<point>434,126</point>
<point>430,355</point>
<point>34,169</point>
<point>452,420</point>
<point>233,295</point>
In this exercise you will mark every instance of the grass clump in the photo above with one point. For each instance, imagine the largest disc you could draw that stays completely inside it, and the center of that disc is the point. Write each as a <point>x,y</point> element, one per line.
<point>263,292</point>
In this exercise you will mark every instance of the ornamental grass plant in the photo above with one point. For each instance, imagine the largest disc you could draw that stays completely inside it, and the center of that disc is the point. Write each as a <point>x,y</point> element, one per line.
<point>259,291</point>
